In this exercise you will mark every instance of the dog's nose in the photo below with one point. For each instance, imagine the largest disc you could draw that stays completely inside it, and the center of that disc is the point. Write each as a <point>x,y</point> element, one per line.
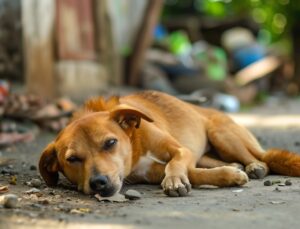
<point>99,182</point>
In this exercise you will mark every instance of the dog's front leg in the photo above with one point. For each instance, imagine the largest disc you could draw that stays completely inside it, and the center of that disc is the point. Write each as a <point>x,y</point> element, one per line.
<point>176,182</point>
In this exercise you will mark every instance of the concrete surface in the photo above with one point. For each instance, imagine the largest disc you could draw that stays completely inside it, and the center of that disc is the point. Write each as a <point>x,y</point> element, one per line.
<point>276,124</point>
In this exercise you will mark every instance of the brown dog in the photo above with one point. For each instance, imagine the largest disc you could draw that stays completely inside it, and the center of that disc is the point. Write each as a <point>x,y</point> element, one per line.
<point>155,138</point>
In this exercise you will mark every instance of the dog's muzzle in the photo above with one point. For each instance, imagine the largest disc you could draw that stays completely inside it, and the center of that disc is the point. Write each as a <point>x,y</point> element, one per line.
<point>102,185</point>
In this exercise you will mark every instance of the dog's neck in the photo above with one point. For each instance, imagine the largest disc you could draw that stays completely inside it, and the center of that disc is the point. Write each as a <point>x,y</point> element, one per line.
<point>137,147</point>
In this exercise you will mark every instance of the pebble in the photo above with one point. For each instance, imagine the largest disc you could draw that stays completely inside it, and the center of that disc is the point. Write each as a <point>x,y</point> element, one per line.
<point>8,171</point>
<point>267,183</point>
<point>277,189</point>
<point>37,206</point>
<point>10,201</point>
<point>132,194</point>
<point>44,202</point>
<point>288,183</point>
<point>62,218</point>
<point>33,167</point>
<point>36,183</point>
<point>297,143</point>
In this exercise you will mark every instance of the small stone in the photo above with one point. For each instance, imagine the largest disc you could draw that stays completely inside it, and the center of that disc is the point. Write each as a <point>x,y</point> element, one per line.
<point>44,202</point>
<point>5,171</point>
<point>52,193</point>
<point>235,209</point>
<point>33,167</point>
<point>32,191</point>
<point>36,183</point>
<point>9,201</point>
<point>277,189</point>
<point>62,218</point>
<point>288,182</point>
<point>132,194</point>
<point>267,183</point>
<point>33,215</point>
<point>297,143</point>
<point>37,206</point>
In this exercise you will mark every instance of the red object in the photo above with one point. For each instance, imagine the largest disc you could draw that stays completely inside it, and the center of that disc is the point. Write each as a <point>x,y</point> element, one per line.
<point>75,30</point>
<point>4,90</point>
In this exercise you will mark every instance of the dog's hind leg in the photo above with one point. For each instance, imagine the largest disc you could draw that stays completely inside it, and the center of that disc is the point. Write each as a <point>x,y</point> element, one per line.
<point>207,161</point>
<point>224,176</point>
<point>232,143</point>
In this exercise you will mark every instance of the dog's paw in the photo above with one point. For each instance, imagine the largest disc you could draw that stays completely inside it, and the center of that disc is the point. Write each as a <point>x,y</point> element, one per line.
<point>257,170</point>
<point>175,186</point>
<point>240,177</point>
<point>232,176</point>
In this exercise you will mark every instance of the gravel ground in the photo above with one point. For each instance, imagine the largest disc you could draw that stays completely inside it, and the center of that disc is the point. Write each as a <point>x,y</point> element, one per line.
<point>254,205</point>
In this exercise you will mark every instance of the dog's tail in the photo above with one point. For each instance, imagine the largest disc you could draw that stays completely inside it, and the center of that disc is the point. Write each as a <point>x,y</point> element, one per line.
<point>282,162</point>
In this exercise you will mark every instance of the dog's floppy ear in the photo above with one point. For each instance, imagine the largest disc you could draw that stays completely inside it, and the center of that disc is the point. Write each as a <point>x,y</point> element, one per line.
<point>128,116</point>
<point>49,166</point>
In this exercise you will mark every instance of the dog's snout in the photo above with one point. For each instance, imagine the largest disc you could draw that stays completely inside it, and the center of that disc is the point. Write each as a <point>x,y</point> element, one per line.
<point>99,182</point>
<point>102,185</point>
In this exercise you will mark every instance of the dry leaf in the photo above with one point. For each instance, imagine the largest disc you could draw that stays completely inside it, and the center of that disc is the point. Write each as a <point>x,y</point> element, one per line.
<point>118,198</point>
<point>3,189</point>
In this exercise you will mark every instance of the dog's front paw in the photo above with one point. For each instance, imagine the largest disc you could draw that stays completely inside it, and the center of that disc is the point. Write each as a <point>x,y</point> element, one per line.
<point>175,186</point>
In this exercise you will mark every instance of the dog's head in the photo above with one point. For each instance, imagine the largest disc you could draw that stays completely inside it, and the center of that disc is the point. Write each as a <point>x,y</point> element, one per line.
<point>94,151</point>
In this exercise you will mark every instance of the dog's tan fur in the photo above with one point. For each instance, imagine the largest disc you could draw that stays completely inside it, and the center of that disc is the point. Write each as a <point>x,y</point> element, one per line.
<point>160,139</point>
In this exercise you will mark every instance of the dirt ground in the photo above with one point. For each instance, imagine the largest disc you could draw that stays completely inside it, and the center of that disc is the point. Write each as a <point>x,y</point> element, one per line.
<point>276,124</point>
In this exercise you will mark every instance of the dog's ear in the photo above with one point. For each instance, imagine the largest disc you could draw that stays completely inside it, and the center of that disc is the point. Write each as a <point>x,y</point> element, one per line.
<point>129,117</point>
<point>49,166</point>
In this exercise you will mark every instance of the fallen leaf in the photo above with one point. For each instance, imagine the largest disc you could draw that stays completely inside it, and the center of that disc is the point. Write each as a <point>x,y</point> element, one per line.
<point>13,180</point>
<point>238,190</point>
<point>277,202</point>
<point>3,189</point>
<point>276,181</point>
<point>32,191</point>
<point>118,198</point>
<point>80,211</point>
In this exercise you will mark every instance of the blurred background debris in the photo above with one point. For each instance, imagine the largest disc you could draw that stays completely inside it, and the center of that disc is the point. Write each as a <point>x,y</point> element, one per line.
<point>223,54</point>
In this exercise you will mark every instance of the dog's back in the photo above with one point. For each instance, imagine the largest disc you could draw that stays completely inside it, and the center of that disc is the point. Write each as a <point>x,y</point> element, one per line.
<point>180,119</point>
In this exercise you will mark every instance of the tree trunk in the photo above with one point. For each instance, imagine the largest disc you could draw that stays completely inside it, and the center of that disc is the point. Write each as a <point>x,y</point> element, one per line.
<point>296,53</point>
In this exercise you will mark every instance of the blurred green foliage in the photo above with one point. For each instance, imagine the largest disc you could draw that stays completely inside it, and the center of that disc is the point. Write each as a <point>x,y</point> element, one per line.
<point>276,17</point>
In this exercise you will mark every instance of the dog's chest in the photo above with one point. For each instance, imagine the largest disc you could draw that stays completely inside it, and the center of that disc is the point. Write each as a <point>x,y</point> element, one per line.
<point>144,164</point>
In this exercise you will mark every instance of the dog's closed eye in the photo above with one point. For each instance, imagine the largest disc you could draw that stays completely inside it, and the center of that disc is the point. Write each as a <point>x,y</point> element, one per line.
<point>109,143</point>
<point>73,159</point>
